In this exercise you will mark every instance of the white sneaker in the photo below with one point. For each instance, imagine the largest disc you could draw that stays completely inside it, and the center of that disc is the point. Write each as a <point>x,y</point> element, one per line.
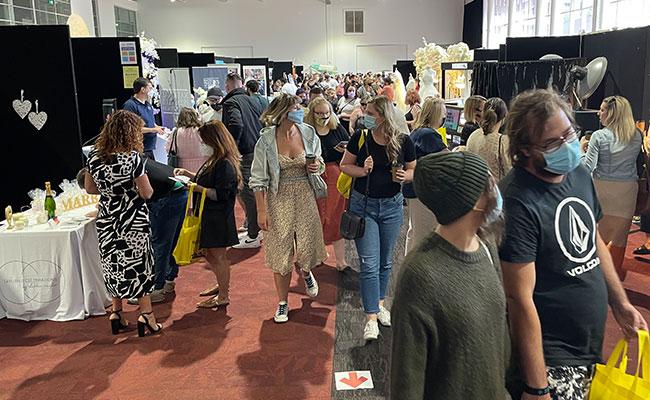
<point>282,313</point>
<point>170,287</point>
<point>244,234</point>
<point>371,331</point>
<point>248,243</point>
<point>383,316</point>
<point>311,285</point>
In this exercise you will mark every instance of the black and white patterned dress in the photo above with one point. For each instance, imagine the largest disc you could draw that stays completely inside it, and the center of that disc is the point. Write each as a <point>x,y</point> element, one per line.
<point>123,226</point>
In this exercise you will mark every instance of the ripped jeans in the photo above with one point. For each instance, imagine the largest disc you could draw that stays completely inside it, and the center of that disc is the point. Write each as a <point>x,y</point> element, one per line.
<point>383,219</point>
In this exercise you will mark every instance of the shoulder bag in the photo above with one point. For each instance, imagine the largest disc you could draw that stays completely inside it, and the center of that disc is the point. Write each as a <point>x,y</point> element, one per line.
<point>344,181</point>
<point>188,240</point>
<point>354,226</point>
<point>172,156</point>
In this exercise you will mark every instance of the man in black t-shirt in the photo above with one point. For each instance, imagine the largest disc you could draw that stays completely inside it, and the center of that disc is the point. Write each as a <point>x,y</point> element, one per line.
<point>558,274</point>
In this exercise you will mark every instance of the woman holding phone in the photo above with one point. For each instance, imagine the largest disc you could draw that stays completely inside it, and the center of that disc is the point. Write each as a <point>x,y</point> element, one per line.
<point>333,138</point>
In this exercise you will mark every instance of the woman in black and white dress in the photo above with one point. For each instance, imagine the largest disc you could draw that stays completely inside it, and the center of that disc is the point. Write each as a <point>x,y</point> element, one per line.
<point>116,172</point>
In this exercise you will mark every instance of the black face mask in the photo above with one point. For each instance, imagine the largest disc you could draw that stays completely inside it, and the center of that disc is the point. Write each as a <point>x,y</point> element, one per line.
<point>216,107</point>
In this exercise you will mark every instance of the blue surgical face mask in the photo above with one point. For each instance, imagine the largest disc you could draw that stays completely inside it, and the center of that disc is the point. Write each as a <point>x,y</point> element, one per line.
<point>494,215</point>
<point>564,159</point>
<point>370,122</point>
<point>296,116</point>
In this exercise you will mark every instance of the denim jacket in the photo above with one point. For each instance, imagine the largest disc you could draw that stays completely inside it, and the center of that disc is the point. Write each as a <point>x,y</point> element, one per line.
<point>265,171</point>
<point>609,160</point>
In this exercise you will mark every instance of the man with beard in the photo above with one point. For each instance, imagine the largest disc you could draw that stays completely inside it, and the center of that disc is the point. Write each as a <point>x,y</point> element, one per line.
<point>557,272</point>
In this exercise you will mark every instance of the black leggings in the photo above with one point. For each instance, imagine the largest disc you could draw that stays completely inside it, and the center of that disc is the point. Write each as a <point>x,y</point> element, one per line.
<point>645,223</point>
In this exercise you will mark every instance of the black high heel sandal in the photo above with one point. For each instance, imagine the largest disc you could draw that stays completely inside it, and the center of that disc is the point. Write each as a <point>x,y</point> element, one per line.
<point>145,323</point>
<point>116,323</point>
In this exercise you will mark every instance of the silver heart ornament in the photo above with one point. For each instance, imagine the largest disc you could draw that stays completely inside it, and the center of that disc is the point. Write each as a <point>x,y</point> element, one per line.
<point>22,108</point>
<point>37,119</point>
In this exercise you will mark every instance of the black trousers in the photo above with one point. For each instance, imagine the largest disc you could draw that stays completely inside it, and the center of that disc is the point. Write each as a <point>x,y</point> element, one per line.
<point>248,197</point>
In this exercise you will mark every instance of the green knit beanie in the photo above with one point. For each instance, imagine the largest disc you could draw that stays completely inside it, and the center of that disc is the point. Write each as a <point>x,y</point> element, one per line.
<point>450,183</point>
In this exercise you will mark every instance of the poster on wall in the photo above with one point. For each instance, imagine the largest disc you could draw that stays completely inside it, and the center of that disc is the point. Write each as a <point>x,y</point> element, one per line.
<point>257,72</point>
<point>128,53</point>
<point>233,68</point>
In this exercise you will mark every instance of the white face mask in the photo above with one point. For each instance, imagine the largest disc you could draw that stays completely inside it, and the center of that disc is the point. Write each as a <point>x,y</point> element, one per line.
<point>206,150</point>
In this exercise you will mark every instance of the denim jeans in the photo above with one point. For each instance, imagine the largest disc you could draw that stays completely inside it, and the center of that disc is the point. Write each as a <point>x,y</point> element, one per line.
<point>248,197</point>
<point>166,219</point>
<point>383,219</point>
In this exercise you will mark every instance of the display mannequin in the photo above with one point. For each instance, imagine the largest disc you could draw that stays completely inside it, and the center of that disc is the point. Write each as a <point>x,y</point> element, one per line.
<point>411,84</point>
<point>426,84</point>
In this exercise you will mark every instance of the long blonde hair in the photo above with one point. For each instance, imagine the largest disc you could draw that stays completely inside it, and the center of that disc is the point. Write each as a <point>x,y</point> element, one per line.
<point>311,119</point>
<point>619,118</point>
<point>432,113</point>
<point>390,126</point>
<point>278,108</point>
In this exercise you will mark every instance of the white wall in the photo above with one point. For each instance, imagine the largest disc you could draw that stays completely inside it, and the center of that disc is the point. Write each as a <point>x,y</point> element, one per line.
<point>106,11</point>
<point>303,31</point>
<point>84,9</point>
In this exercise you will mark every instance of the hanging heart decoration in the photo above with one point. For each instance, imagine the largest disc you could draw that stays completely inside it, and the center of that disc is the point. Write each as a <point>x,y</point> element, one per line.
<point>37,119</point>
<point>22,106</point>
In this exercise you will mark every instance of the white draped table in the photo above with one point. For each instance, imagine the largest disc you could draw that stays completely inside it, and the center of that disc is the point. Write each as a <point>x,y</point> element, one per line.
<point>52,272</point>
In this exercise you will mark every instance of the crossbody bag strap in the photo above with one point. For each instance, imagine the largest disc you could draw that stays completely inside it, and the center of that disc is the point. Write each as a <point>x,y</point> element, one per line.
<point>174,147</point>
<point>365,204</point>
<point>500,158</point>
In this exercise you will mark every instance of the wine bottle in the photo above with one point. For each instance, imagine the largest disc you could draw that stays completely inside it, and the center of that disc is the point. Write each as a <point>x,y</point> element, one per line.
<point>49,204</point>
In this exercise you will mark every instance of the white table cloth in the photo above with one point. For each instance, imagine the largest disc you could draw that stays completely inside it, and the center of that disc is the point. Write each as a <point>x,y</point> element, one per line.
<point>52,273</point>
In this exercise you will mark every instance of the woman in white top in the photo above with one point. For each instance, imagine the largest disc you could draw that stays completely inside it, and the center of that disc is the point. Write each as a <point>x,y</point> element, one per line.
<point>488,143</point>
<point>187,143</point>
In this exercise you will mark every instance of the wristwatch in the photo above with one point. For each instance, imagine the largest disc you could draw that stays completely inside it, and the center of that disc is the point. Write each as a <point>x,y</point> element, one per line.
<point>536,391</point>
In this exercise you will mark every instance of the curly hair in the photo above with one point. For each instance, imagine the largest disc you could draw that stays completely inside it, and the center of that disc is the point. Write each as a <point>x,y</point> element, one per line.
<point>122,133</point>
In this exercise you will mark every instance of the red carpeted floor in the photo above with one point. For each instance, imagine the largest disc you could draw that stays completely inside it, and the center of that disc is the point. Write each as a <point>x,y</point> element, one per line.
<point>238,353</point>
<point>233,353</point>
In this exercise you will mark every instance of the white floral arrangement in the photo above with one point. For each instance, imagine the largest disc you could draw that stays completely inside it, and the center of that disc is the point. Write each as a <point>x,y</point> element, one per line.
<point>430,55</point>
<point>149,69</point>
<point>459,52</point>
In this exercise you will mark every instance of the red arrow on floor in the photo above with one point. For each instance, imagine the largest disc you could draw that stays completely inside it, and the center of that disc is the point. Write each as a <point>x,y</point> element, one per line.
<point>353,380</point>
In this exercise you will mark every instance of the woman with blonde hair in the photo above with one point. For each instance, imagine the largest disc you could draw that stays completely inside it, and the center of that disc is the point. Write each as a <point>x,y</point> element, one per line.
<point>221,176</point>
<point>488,142</point>
<point>611,157</point>
<point>427,140</point>
<point>116,171</point>
<point>286,154</point>
<point>185,140</point>
<point>333,138</point>
<point>384,160</point>
<point>473,113</point>
<point>413,102</point>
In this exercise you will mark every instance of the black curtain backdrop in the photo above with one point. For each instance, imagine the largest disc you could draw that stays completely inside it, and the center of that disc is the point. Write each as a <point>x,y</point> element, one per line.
<point>280,67</point>
<point>626,51</point>
<point>473,24</point>
<point>39,61</point>
<point>533,48</point>
<point>168,58</point>
<point>98,75</point>
<point>406,67</point>
<point>507,79</point>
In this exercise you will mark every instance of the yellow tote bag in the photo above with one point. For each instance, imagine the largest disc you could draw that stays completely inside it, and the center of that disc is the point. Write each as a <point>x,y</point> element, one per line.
<point>188,240</point>
<point>344,181</point>
<point>611,382</point>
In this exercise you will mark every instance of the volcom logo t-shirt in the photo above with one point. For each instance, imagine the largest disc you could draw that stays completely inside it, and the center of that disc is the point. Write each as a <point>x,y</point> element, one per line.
<point>555,226</point>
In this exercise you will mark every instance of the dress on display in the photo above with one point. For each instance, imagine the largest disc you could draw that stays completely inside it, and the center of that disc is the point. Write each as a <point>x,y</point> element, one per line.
<point>123,227</point>
<point>293,220</point>
<point>218,225</point>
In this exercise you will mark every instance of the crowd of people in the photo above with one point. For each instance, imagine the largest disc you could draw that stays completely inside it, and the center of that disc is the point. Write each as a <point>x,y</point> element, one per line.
<point>524,216</point>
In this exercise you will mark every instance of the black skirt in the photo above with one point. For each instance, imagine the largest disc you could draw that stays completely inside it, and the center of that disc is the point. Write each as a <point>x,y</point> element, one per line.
<point>218,225</point>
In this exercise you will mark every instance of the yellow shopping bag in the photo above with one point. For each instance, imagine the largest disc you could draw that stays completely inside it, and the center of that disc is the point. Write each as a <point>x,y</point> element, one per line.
<point>611,382</point>
<point>188,240</point>
<point>344,181</point>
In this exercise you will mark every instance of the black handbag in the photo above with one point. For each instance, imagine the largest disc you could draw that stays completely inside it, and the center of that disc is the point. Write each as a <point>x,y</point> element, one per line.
<point>354,226</point>
<point>172,157</point>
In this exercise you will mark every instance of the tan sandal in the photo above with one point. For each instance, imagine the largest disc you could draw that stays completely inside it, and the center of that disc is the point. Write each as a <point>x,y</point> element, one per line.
<point>213,302</point>
<point>213,291</point>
